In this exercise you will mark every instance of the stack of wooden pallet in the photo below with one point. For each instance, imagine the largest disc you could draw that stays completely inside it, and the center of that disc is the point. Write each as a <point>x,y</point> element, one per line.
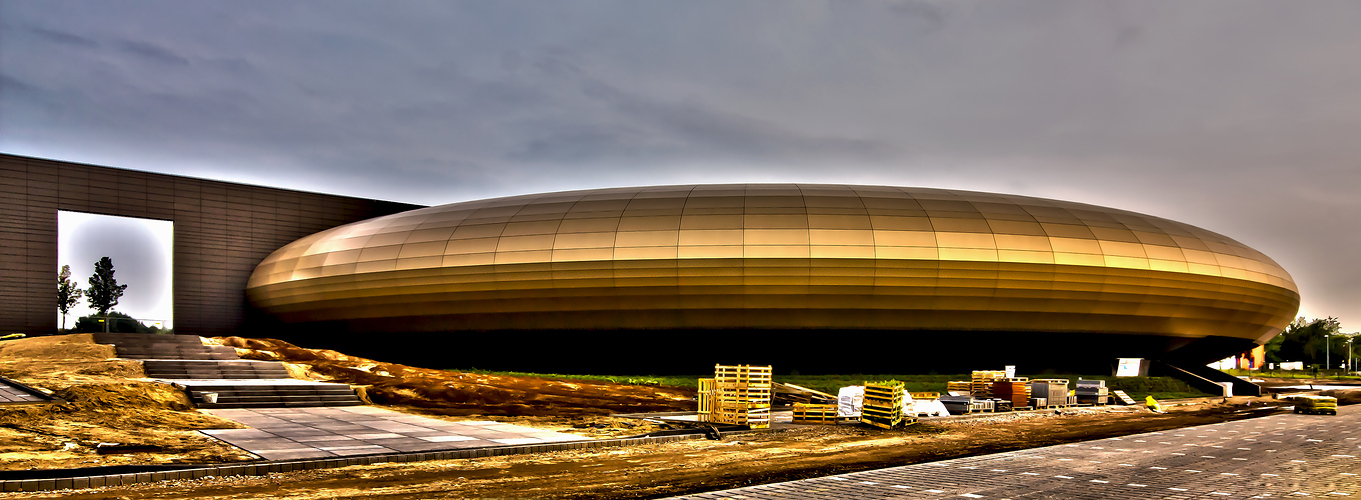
<point>959,387</point>
<point>1054,392</point>
<point>884,405</point>
<point>1015,390</point>
<point>743,395</point>
<point>980,385</point>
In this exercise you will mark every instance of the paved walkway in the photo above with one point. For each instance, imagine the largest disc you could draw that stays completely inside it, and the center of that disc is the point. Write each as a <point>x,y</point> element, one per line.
<point>13,394</point>
<point>1281,456</point>
<point>299,433</point>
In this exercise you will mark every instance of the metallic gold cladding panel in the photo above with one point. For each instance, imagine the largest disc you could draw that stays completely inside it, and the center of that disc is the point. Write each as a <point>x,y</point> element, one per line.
<point>780,256</point>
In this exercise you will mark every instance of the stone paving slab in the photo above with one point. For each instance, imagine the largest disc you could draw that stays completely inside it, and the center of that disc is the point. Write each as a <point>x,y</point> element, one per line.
<point>1280,456</point>
<point>13,394</point>
<point>328,432</point>
<point>208,382</point>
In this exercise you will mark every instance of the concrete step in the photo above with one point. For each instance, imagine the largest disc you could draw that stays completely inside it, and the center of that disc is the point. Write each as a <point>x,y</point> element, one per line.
<point>207,369</point>
<point>272,404</point>
<point>284,399</point>
<point>151,346</point>
<point>265,396</point>
<point>145,339</point>
<point>275,390</point>
<point>163,352</point>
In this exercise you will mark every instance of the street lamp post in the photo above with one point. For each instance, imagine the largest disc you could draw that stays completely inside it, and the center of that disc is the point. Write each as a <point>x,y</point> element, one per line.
<point>1327,351</point>
<point>1351,365</point>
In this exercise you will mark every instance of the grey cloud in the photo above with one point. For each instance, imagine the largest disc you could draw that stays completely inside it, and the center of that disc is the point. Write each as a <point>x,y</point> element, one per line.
<point>1238,116</point>
<point>62,37</point>
<point>152,52</point>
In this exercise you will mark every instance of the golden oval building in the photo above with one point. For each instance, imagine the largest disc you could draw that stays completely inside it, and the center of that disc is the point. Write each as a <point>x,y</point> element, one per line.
<point>794,274</point>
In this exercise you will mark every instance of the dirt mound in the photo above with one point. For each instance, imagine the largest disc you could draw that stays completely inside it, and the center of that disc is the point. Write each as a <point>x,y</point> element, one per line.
<point>64,360</point>
<point>67,435</point>
<point>104,404</point>
<point>459,393</point>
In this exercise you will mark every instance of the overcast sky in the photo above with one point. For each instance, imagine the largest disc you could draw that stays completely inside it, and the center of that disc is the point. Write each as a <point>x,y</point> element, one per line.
<point>1237,116</point>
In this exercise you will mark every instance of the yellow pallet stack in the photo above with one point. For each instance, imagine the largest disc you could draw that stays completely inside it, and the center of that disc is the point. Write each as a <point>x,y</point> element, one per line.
<point>959,386</point>
<point>883,406</point>
<point>980,384</point>
<point>743,395</point>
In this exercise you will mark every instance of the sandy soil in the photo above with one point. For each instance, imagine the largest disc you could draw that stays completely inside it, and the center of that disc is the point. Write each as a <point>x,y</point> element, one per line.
<point>111,401</point>
<point>456,393</point>
<point>685,467</point>
<point>108,401</point>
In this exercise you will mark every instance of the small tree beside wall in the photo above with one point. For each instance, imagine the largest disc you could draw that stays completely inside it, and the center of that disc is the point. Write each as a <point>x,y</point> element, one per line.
<point>68,294</point>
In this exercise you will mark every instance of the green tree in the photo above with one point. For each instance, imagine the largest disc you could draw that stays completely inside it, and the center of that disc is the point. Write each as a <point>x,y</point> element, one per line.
<point>116,322</point>
<point>68,294</point>
<point>1311,341</point>
<point>104,290</point>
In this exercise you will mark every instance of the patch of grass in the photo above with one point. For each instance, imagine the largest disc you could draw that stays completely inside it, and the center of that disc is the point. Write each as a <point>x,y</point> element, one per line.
<point>683,381</point>
<point>1322,374</point>
<point>1136,387</point>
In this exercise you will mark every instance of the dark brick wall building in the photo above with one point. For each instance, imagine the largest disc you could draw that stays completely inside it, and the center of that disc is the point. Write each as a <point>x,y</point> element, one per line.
<point>221,231</point>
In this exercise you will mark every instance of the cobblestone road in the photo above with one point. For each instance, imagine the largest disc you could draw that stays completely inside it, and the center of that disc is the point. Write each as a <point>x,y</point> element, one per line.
<point>1280,456</point>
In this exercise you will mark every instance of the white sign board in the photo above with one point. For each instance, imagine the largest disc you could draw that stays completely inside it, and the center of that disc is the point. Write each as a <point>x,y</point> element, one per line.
<point>1128,367</point>
<point>1011,371</point>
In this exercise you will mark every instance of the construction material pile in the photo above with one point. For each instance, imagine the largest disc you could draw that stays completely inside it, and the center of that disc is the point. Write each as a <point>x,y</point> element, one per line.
<point>883,406</point>
<point>958,387</point>
<point>1315,405</point>
<point>957,404</point>
<point>1049,393</point>
<point>1092,392</point>
<point>1013,390</point>
<point>738,394</point>
<point>981,382</point>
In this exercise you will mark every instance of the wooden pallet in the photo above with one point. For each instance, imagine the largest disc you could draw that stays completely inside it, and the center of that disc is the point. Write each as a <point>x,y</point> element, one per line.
<point>1124,398</point>
<point>708,397</point>
<point>891,392</point>
<point>743,373</point>
<point>980,383</point>
<point>815,414</point>
<point>924,395</point>
<point>754,416</point>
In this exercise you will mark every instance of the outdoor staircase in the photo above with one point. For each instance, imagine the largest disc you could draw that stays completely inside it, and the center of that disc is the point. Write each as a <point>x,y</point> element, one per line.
<point>204,370</point>
<point>153,346</point>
